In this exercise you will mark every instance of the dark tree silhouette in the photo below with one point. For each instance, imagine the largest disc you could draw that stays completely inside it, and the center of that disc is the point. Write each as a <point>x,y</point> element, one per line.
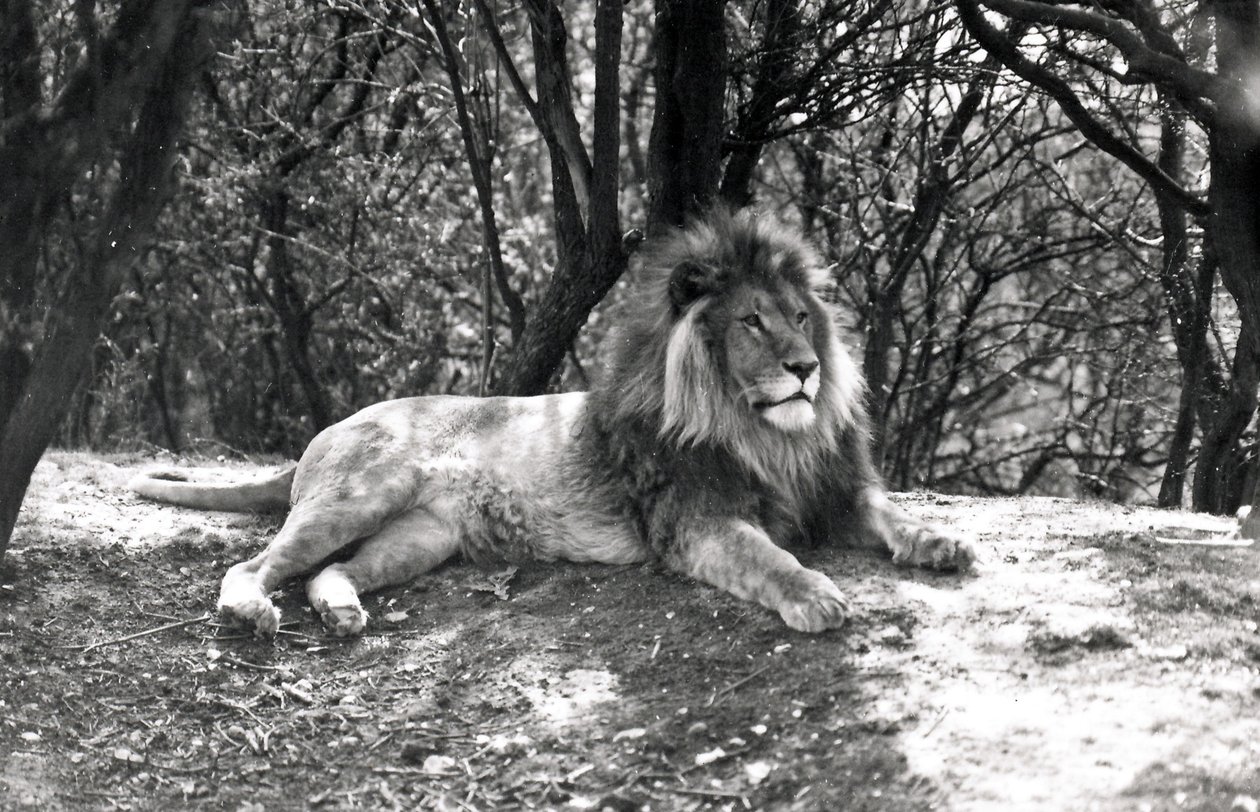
<point>117,112</point>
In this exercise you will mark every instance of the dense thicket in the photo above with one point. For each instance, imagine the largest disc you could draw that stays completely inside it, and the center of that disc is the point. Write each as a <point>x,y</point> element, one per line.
<point>1023,203</point>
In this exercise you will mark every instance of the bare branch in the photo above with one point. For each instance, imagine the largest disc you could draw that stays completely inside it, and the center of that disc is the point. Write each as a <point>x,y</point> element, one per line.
<point>1188,83</point>
<point>1008,53</point>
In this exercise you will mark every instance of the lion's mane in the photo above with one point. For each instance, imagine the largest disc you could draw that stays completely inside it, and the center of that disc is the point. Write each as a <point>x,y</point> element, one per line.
<point>668,410</point>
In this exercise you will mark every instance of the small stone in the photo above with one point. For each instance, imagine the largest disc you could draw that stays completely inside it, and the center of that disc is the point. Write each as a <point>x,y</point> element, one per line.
<point>756,771</point>
<point>438,765</point>
<point>1177,651</point>
<point>890,634</point>
<point>709,757</point>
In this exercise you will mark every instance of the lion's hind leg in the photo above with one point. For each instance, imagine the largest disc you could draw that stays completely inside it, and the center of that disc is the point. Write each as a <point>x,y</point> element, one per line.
<point>312,532</point>
<point>408,546</point>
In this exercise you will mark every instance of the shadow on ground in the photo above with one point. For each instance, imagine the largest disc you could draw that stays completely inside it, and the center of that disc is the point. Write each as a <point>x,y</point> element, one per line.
<point>1087,665</point>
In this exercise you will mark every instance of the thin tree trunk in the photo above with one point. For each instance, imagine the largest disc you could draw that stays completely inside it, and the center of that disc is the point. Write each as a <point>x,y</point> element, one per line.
<point>478,155</point>
<point>935,187</point>
<point>291,308</point>
<point>1188,305</point>
<point>779,54</point>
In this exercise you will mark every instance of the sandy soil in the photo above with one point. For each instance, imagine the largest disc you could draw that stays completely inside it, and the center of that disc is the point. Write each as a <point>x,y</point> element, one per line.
<point>1095,660</point>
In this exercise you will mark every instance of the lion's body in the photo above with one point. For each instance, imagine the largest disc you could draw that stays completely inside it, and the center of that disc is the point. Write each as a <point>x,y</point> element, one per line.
<point>461,459</point>
<point>729,422</point>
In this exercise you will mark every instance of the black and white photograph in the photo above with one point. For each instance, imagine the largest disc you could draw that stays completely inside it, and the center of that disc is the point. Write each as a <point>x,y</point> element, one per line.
<point>630,405</point>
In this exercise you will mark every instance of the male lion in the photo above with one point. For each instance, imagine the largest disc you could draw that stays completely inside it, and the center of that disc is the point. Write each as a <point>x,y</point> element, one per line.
<point>730,421</point>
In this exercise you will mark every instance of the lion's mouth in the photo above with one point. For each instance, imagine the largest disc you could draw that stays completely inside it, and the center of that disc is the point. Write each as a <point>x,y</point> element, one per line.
<point>770,404</point>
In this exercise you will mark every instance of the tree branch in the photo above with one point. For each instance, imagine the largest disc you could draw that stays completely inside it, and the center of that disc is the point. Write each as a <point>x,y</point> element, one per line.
<point>555,97</point>
<point>1190,84</point>
<point>1008,53</point>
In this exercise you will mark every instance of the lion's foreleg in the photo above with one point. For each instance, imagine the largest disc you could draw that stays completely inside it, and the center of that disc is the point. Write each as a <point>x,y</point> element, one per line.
<point>406,548</point>
<point>912,542</point>
<point>741,559</point>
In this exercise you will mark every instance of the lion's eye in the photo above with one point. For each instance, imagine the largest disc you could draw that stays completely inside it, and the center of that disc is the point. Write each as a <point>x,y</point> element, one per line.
<point>753,321</point>
<point>801,317</point>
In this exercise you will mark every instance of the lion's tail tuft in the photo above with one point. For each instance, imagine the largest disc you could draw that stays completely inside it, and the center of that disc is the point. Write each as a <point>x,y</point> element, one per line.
<point>175,487</point>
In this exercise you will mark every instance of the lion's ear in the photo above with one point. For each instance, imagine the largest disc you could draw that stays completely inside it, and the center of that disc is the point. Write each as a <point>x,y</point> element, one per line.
<point>689,281</point>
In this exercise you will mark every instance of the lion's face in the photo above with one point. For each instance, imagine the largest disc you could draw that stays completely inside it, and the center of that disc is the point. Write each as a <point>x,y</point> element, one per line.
<point>751,359</point>
<point>767,341</point>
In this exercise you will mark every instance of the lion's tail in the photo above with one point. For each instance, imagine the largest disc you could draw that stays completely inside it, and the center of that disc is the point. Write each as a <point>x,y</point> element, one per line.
<point>257,495</point>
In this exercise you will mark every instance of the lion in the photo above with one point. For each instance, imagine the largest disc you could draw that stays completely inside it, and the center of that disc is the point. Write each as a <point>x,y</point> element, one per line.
<point>729,424</point>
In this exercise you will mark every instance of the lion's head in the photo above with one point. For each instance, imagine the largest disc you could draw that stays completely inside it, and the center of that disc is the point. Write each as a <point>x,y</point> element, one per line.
<point>729,343</point>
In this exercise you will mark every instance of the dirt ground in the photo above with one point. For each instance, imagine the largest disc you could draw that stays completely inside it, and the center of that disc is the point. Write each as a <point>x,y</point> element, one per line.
<point>1095,661</point>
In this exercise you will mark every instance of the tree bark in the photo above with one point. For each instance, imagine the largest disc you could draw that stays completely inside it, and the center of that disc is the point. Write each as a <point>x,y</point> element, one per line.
<point>1234,152</point>
<point>1221,469</point>
<point>292,311</point>
<point>685,147</point>
<point>779,54</point>
<point>151,54</point>
<point>1187,297</point>
<point>590,257</point>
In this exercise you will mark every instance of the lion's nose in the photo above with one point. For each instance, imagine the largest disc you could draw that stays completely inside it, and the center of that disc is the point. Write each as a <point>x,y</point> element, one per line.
<point>801,369</point>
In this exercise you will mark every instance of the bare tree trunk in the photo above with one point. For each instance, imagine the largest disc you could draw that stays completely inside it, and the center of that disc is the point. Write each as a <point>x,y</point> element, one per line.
<point>1187,296</point>
<point>685,147</point>
<point>157,381</point>
<point>153,51</point>
<point>1234,152</point>
<point>590,257</point>
<point>291,309</point>
<point>1221,468</point>
<point>935,187</point>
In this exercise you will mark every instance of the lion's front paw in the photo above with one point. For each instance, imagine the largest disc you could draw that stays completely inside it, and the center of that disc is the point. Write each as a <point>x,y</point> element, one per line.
<point>931,548</point>
<point>812,603</point>
<point>256,614</point>
<point>344,621</point>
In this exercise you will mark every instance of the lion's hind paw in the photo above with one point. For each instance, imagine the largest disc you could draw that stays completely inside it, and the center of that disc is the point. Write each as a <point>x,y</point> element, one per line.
<point>344,621</point>
<point>258,615</point>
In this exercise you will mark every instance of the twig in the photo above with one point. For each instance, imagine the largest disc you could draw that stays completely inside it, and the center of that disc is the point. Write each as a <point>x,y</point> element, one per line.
<point>940,718</point>
<point>236,706</point>
<point>228,658</point>
<point>85,647</point>
<point>738,683</point>
<point>297,693</point>
<point>18,720</point>
<point>708,793</point>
